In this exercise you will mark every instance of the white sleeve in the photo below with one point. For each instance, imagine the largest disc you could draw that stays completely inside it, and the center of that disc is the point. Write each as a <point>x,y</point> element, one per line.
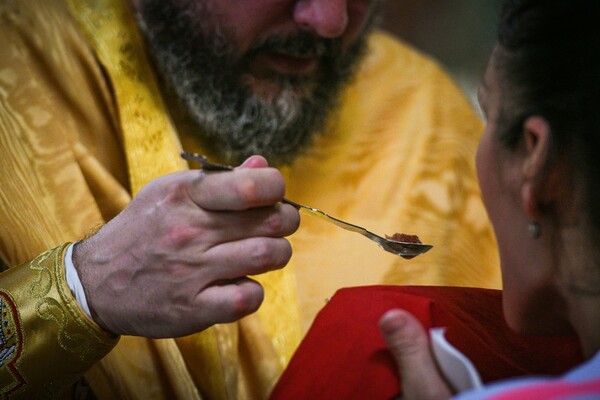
<point>74,282</point>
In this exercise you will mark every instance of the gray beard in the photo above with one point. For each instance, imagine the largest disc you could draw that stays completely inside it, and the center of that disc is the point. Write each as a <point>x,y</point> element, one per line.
<point>202,67</point>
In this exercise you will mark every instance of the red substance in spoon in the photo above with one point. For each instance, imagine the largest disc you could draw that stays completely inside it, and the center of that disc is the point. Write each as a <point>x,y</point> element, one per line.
<point>403,237</point>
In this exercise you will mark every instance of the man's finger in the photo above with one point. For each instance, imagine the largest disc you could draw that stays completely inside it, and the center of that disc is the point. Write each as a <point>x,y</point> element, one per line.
<point>239,189</point>
<point>278,221</point>
<point>252,256</point>
<point>229,301</point>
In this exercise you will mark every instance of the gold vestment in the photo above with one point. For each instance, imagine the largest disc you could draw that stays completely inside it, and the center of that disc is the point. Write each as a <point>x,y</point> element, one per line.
<point>83,127</point>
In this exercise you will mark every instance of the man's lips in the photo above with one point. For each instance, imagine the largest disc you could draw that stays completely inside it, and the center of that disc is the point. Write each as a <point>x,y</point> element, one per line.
<point>281,63</point>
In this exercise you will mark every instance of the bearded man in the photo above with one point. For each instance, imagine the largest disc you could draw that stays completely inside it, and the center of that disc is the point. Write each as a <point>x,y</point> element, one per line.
<point>98,100</point>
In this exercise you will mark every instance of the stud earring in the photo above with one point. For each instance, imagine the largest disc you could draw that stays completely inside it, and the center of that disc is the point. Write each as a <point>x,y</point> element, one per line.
<point>535,231</point>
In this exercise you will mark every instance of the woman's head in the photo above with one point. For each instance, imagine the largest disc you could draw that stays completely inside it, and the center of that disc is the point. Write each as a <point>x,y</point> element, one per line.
<point>540,154</point>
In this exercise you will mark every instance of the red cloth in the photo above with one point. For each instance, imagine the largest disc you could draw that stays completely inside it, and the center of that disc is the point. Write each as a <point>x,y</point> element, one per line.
<point>344,356</point>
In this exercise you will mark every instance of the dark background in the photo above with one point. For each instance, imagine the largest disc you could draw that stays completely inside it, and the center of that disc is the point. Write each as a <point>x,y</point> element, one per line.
<point>460,34</point>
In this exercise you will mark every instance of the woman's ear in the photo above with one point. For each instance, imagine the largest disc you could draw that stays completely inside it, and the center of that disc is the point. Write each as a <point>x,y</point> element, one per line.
<point>534,192</point>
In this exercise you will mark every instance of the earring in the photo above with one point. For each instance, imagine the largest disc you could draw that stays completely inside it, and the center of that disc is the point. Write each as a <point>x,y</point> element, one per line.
<point>535,231</point>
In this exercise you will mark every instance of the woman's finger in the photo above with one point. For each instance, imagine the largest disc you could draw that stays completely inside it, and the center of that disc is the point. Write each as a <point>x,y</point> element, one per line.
<point>409,344</point>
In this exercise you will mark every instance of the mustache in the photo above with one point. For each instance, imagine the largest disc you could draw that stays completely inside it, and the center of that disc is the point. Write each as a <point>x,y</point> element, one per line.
<point>299,44</point>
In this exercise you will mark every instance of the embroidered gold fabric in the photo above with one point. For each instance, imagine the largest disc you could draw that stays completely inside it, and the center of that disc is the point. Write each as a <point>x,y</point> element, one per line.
<point>82,126</point>
<point>147,131</point>
<point>37,304</point>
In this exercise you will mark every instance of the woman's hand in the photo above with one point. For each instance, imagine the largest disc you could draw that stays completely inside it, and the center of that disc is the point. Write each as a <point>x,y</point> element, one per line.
<point>409,344</point>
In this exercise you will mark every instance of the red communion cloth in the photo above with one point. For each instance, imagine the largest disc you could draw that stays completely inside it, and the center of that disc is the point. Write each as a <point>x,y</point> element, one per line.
<point>343,356</point>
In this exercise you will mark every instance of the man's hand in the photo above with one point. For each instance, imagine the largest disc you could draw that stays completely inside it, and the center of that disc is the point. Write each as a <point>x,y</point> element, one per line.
<point>176,260</point>
<point>409,344</point>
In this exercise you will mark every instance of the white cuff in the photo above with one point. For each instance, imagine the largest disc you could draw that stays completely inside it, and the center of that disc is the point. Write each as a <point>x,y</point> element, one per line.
<point>74,282</point>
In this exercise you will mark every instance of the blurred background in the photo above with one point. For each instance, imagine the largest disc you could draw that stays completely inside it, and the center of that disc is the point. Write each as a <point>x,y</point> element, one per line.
<point>460,34</point>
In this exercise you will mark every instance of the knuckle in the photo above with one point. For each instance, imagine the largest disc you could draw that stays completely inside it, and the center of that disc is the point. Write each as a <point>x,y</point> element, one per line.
<point>163,197</point>
<point>180,235</point>
<point>275,223</point>
<point>409,350</point>
<point>175,192</point>
<point>281,221</point>
<point>245,300</point>
<point>262,253</point>
<point>260,186</point>
<point>271,253</point>
<point>247,190</point>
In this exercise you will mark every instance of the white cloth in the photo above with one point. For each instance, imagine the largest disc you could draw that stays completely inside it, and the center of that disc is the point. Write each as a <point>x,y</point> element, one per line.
<point>74,282</point>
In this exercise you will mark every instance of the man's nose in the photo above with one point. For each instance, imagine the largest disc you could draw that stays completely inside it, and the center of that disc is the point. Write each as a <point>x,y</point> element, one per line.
<point>326,18</point>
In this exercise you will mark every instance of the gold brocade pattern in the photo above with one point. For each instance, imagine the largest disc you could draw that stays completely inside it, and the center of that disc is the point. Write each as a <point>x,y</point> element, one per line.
<point>61,310</point>
<point>46,308</point>
<point>151,144</point>
<point>11,345</point>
